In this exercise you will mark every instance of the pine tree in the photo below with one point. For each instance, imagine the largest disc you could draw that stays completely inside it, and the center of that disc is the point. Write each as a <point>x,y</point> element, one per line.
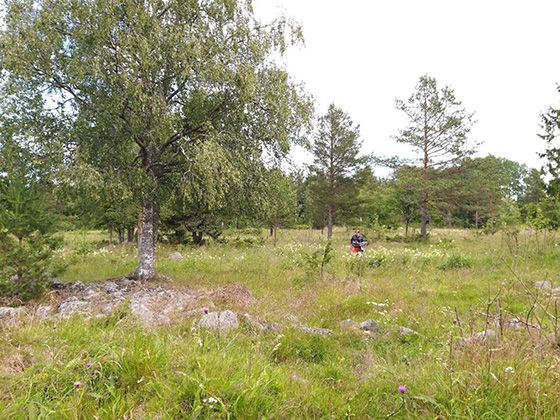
<point>437,132</point>
<point>335,151</point>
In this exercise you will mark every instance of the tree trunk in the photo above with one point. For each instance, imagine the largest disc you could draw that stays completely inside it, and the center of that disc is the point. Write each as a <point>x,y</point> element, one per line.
<point>330,222</point>
<point>147,237</point>
<point>476,219</point>
<point>111,234</point>
<point>449,219</point>
<point>424,203</point>
<point>275,229</point>
<point>424,216</point>
<point>120,232</point>
<point>406,223</point>
<point>130,233</point>
<point>197,237</point>
<point>271,229</point>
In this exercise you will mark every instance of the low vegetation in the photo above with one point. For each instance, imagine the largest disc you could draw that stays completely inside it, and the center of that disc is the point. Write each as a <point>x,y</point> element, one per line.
<point>430,301</point>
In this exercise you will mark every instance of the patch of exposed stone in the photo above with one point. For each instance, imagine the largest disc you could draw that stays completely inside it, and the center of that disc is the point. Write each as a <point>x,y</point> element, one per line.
<point>157,304</point>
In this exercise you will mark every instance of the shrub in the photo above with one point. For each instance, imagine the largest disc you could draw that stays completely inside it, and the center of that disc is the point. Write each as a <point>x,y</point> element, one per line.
<point>26,267</point>
<point>317,260</point>
<point>26,249</point>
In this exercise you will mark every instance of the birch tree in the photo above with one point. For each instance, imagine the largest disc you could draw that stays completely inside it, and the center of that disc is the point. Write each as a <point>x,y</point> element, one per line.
<point>147,86</point>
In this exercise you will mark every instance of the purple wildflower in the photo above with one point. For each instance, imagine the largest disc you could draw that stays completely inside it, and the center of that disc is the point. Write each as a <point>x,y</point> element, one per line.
<point>402,389</point>
<point>77,384</point>
<point>205,310</point>
<point>89,364</point>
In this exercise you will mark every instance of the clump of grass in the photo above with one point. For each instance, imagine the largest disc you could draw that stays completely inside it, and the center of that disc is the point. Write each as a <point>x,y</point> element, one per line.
<point>296,347</point>
<point>455,262</point>
<point>359,264</point>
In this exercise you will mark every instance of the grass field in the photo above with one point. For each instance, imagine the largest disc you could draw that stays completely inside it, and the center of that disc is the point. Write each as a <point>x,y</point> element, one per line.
<point>457,284</point>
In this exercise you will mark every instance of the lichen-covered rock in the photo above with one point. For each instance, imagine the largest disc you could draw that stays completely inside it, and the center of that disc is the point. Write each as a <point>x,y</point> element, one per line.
<point>223,321</point>
<point>370,325</point>
<point>72,306</point>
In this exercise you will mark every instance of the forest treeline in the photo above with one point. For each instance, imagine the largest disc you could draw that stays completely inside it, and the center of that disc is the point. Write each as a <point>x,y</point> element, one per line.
<point>173,121</point>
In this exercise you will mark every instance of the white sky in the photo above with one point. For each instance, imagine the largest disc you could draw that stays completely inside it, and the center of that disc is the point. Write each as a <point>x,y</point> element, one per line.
<point>501,57</point>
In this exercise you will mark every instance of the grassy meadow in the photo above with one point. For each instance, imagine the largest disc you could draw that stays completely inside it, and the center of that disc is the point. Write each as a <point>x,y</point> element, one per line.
<point>457,284</point>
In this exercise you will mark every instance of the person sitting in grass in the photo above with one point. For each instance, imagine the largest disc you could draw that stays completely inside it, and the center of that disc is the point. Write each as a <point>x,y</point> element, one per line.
<point>357,243</point>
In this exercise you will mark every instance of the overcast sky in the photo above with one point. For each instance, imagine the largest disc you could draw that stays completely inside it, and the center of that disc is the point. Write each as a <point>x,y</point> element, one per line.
<point>501,57</point>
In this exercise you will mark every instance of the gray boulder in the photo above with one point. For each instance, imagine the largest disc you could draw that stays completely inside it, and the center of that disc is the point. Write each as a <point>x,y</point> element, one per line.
<point>370,325</point>
<point>223,321</point>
